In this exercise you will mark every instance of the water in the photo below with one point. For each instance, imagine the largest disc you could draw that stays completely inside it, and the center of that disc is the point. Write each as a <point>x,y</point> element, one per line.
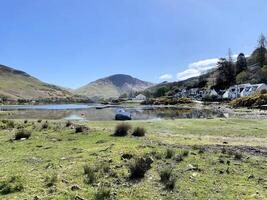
<point>95,112</point>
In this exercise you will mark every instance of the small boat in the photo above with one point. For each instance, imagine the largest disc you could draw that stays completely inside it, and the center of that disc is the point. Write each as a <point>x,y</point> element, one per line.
<point>121,114</point>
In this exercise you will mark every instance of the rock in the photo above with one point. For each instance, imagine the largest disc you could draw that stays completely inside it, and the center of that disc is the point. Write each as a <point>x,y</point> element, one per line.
<point>78,198</point>
<point>75,187</point>
<point>221,161</point>
<point>251,177</point>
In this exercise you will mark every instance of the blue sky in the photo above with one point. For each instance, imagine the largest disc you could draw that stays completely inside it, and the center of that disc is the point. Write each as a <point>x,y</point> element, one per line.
<point>73,42</point>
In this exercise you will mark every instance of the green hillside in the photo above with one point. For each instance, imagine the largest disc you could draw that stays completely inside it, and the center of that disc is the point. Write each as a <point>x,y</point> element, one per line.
<point>113,86</point>
<point>15,84</point>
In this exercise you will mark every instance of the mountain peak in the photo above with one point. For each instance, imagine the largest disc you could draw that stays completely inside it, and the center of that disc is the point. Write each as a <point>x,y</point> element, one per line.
<point>113,86</point>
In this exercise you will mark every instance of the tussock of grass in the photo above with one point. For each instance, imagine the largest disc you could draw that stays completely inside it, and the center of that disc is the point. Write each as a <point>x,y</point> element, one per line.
<point>170,153</point>
<point>139,166</point>
<point>90,174</point>
<point>167,178</point>
<point>139,132</point>
<point>103,193</point>
<point>51,180</point>
<point>11,185</point>
<point>122,129</point>
<point>22,133</point>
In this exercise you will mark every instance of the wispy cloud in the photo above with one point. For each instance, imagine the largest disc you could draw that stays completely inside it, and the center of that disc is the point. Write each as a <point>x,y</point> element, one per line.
<point>166,77</point>
<point>197,68</point>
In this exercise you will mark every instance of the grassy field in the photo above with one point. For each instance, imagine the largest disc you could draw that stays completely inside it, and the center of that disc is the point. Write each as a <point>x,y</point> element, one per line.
<point>180,159</point>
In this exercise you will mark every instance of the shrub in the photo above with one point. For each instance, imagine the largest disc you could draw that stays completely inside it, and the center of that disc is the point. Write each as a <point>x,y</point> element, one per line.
<point>39,120</point>
<point>68,123</point>
<point>170,185</point>
<point>238,155</point>
<point>122,129</point>
<point>139,167</point>
<point>22,133</point>
<point>45,125</point>
<point>10,124</point>
<point>167,178</point>
<point>139,132</point>
<point>51,180</point>
<point>179,158</point>
<point>80,129</point>
<point>25,121</point>
<point>165,174</point>
<point>169,153</point>
<point>90,174</point>
<point>103,193</point>
<point>11,185</point>
<point>185,153</point>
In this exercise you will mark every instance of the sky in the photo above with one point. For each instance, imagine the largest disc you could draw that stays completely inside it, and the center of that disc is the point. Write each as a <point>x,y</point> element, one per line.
<point>72,42</point>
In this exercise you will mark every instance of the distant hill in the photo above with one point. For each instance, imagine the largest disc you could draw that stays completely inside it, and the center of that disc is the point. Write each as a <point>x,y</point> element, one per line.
<point>15,84</point>
<point>113,86</point>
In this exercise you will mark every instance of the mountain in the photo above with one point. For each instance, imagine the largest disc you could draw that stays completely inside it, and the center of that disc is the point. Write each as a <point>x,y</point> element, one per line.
<point>113,86</point>
<point>15,84</point>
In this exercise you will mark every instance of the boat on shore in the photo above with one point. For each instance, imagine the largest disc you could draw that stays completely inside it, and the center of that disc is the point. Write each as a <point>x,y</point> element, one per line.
<point>121,114</point>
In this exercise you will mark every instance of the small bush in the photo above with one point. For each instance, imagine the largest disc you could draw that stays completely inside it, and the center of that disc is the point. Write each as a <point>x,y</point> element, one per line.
<point>169,153</point>
<point>122,129</point>
<point>39,120</point>
<point>45,125</point>
<point>167,178</point>
<point>50,181</point>
<point>223,150</point>
<point>11,185</point>
<point>25,121</point>
<point>139,132</point>
<point>68,123</point>
<point>170,185</point>
<point>165,174</point>
<point>139,167</point>
<point>90,174</point>
<point>10,124</point>
<point>22,133</point>
<point>81,129</point>
<point>103,193</point>
<point>179,158</point>
<point>238,155</point>
<point>185,153</point>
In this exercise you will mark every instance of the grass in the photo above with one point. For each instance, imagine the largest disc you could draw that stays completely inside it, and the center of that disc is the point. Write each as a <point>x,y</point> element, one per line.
<point>122,129</point>
<point>196,174</point>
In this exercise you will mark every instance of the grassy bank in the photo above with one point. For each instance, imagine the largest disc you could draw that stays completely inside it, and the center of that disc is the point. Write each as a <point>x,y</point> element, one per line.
<point>180,159</point>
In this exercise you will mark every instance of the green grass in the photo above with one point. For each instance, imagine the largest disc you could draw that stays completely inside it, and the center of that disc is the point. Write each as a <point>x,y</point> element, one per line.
<point>51,161</point>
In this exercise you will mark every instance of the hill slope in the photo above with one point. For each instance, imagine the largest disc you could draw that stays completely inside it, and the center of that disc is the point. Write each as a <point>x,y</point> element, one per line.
<point>113,86</point>
<point>221,77</point>
<point>16,84</point>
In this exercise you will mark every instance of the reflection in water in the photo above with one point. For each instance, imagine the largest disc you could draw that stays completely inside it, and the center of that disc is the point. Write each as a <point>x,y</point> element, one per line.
<point>93,114</point>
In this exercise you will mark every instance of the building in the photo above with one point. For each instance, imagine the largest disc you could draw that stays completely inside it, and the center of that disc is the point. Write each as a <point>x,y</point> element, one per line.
<point>243,90</point>
<point>140,97</point>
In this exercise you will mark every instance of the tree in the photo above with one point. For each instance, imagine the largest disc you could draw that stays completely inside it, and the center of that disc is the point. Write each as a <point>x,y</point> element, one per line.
<point>225,75</point>
<point>160,92</point>
<point>241,63</point>
<point>261,50</point>
<point>242,77</point>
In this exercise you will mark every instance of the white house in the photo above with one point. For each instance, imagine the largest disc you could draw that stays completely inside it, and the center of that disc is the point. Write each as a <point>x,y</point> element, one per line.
<point>140,97</point>
<point>243,90</point>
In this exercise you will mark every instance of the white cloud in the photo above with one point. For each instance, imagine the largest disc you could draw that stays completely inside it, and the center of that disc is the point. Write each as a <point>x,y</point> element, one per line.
<point>197,68</point>
<point>166,77</point>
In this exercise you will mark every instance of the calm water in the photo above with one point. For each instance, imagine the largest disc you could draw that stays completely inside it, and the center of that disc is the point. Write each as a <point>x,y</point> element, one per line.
<point>93,113</point>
